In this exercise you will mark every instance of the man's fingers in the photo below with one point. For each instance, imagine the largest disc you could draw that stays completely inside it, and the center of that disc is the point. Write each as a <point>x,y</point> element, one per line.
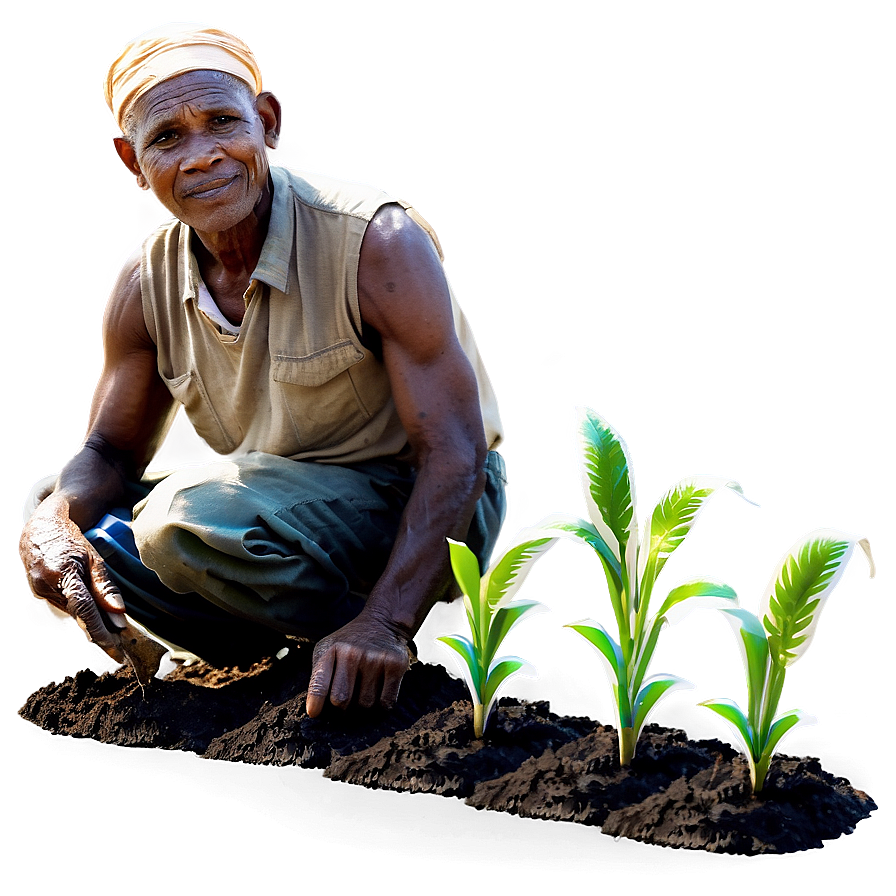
<point>380,685</point>
<point>345,674</point>
<point>391,684</point>
<point>41,590</point>
<point>346,669</point>
<point>107,595</point>
<point>371,685</point>
<point>321,676</point>
<point>81,605</point>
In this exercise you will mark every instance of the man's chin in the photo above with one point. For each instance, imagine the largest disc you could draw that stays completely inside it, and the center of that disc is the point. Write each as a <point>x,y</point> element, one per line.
<point>216,219</point>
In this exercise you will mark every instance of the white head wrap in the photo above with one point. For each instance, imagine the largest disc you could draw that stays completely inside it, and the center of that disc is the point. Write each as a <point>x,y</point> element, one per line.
<point>171,50</point>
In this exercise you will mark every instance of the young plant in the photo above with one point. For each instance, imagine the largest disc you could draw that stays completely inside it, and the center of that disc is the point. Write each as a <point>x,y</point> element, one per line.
<point>632,567</point>
<point>790,611</point>
<point>491,614</point>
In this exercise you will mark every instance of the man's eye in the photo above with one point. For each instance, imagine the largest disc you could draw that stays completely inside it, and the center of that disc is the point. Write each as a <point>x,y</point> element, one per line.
<point>164,137</point>
<point>224,119</point>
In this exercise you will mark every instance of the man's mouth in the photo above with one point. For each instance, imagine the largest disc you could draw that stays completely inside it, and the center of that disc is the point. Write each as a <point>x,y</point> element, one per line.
<point>210,187</point>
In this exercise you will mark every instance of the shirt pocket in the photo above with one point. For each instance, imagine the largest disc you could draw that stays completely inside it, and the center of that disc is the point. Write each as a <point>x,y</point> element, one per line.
<point>190,391</point>
<point>318,393</point>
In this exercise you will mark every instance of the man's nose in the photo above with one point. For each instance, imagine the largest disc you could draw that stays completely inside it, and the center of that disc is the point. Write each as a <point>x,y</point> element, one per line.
<point>202,152</point>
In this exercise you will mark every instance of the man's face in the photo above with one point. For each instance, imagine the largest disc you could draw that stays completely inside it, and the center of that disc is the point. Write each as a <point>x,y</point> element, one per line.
<point>200,145</point>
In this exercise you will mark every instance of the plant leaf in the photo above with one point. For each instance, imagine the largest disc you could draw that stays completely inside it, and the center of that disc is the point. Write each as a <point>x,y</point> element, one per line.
<point>576,529</point>
<point>470,669</point>
<point>505,576</point>
<point>672,519</point>
<point>654,688</point>
<point>611,652</point>
<point>800,588</point>
<point>498,675</point>
<point>734,715</point>
<point>785,722</point>
<point>704,593</point>
<point>466,569</point>
<point>751,639</point>
<point>473,619</point>
<point>471,614</point>
<point>503,621</point>
<point>609,493</point>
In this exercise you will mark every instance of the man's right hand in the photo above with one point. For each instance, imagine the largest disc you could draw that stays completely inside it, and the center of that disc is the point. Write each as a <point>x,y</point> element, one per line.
<point>64,569</point>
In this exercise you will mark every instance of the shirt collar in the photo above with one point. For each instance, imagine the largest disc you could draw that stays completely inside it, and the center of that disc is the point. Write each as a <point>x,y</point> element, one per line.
<point>276,253</point>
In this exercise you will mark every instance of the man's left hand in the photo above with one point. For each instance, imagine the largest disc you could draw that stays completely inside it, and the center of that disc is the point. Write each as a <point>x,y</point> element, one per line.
<point>364,660</point>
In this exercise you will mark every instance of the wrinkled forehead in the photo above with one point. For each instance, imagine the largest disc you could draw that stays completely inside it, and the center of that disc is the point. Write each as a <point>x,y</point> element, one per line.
<point>190,92</point>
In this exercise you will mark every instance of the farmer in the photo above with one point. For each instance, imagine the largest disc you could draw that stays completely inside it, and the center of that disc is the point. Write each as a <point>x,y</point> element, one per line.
<point>307,328</point>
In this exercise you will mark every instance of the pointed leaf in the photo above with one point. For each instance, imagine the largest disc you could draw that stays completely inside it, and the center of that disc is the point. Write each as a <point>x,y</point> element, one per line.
<point>734,715</point>
<point>505,576</point>
<point>697,586</point>
<point>466,571</point>
<point>654,688</point>
<point>800,588</point>
<point>498,675</point>
<point>504,620</point>
<point>673,518</point>
<point>579,530</point>
<point>611,653</point>
<point>465,567</point>
<point>753,644</point>
<point>785,722</point>
<point>470,669</point>
<point>704,593</point>
<point>607,480</point>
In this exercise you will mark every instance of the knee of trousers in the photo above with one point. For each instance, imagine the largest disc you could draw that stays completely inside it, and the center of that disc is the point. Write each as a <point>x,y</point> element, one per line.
<point>178,512</point>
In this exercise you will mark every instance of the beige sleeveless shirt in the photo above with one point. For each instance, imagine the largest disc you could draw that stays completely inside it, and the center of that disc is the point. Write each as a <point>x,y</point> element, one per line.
<point>297,381</point>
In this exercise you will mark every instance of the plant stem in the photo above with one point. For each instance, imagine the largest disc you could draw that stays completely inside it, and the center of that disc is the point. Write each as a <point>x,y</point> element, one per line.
<point>758,771</point>
<point>478,720</point>
<point>627,743</point>
<point>644,648</point>
<point>619,602</point>
<point>770,699</point>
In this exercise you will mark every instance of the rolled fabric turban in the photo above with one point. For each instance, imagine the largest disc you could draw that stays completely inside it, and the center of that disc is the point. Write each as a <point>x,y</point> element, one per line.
<point>164,52</point>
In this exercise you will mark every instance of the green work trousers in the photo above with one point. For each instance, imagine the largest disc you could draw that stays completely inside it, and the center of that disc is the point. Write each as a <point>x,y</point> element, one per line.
<point>249,550</point>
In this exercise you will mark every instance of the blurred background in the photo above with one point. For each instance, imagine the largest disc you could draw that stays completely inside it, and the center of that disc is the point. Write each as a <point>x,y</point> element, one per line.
<point>680,215</point>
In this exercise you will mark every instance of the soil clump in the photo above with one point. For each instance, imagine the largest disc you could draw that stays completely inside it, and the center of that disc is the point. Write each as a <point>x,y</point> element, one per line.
<point>531,762</point>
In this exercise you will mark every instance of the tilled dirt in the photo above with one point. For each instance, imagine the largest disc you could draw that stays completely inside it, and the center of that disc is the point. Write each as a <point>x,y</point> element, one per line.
<point>680,793</point>
<point>531,762</point>
<point>440,755</point>
<point>281,732</point>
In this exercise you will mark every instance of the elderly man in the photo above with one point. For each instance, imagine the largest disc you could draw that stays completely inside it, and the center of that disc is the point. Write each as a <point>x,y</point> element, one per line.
<point>307,329</point>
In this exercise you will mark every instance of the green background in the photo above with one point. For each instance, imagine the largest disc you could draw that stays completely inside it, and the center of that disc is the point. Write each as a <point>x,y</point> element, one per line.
<point>679,214</point>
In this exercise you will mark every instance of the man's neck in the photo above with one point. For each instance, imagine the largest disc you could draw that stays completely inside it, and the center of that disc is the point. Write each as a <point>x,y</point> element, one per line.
<point>232,255</point>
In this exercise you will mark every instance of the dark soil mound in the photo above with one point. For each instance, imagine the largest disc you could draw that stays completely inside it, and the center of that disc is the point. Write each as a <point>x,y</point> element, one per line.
<point>440,755</point>
<point>680,793</point>
<point>184,711</point>
<point>281,733</point>
<point>531,762</point>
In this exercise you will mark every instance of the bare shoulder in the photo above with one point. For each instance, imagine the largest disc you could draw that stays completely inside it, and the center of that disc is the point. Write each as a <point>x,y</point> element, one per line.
<point>400,276</point>
<point>124,326</point>
<point>393,228</point>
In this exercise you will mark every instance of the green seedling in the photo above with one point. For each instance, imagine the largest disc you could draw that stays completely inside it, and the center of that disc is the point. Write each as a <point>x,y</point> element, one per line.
<point>631,567</point>
<point>491,614</point>
<point>790,611</point>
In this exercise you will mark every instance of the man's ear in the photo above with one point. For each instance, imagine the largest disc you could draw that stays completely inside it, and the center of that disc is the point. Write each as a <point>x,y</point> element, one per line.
<point>126,152</point>
<point>271,116</point>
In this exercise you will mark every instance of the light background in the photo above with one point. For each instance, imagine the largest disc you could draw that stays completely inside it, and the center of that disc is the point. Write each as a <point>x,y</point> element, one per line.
<point>680,214</point>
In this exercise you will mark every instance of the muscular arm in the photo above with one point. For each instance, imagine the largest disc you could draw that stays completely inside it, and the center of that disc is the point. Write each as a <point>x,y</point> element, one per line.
<point>405,298</point>
<point>128,418</point>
